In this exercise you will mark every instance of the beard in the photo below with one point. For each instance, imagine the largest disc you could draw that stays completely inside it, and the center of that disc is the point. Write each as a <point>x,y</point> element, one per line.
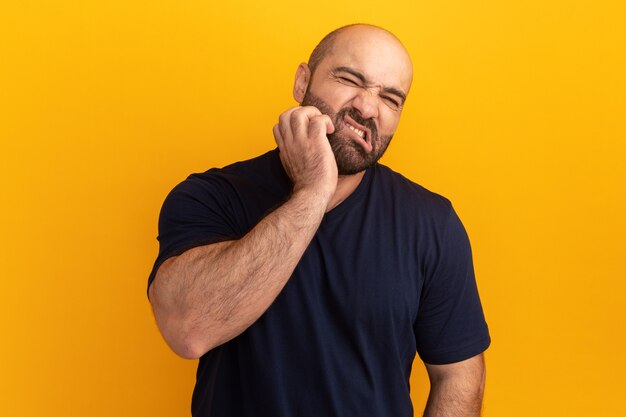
<point>350,156</point>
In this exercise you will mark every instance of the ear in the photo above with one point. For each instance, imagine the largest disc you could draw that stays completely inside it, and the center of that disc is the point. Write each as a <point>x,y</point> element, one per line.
<point>303,76</point>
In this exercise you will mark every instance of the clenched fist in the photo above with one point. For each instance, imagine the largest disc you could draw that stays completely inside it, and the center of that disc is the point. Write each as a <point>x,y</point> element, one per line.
<point>305,151</point>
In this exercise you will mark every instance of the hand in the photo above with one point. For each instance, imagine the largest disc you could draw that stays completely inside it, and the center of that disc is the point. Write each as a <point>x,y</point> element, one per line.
<point>305,151</point>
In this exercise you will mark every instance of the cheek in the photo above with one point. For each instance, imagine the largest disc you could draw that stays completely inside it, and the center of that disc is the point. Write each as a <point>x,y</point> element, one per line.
<point>388,122</point>
<point>342,97</point>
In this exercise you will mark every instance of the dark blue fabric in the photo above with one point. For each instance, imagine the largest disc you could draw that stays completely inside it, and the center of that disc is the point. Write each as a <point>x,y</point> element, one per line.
<point>388,274</point>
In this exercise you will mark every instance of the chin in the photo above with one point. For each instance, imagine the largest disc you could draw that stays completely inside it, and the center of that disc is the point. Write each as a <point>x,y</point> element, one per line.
<point>351,159</point>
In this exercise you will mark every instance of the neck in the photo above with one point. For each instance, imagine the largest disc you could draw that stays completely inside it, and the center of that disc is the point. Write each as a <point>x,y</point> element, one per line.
<point>346,184</point>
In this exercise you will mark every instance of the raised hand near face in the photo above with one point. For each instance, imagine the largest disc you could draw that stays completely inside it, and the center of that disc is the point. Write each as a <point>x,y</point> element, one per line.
<point>305,151</point>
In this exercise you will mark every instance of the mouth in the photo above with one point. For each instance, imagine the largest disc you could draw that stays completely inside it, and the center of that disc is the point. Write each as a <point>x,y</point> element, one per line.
<point>360,133</point>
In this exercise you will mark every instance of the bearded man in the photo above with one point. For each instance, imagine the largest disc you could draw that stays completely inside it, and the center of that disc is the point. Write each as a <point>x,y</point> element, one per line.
<point>306,279</point>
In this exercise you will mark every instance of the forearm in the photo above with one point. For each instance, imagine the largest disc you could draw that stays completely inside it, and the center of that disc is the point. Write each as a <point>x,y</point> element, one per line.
<point>448,401</point>
<point>456,390</point>
<point>210,294</point>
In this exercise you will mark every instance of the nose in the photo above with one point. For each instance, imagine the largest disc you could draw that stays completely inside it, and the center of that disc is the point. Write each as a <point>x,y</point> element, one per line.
<point>366,102</point>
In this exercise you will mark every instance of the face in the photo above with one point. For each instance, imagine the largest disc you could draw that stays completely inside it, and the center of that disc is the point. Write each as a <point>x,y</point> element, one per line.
<point>361,84</point>
<point>351,153</point>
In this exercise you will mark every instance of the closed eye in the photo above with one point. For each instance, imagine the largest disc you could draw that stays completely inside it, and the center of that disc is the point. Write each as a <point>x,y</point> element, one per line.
<point>347,81</point>
<point>392,102</point>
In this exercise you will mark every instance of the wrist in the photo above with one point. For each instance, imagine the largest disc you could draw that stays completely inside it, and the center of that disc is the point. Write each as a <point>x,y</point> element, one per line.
<point>314,198</point>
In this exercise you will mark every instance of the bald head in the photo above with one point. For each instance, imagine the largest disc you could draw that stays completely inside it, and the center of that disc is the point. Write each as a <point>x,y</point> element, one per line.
<point>361,35</point>
<point>359,75</point>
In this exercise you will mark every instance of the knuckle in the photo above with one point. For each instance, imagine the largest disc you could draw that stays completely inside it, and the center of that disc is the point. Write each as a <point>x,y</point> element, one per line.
<point>282,131</point>
<point>276,131</point>
<point>296,119</point>
<point>318,122</point>
<point>282,125</point>
<point>283,118</point>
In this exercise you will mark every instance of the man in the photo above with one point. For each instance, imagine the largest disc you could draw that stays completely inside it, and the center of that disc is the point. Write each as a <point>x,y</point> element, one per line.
<point>306,279</point>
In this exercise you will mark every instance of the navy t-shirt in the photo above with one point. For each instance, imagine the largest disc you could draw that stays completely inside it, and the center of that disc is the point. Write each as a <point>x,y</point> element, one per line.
<point>389,273</point>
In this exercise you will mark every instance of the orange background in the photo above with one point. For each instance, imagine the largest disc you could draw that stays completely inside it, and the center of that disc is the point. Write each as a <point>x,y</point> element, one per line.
<point>517,114</point>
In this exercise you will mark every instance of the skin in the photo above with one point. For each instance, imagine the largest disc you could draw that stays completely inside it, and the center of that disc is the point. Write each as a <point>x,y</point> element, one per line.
<point>210,294</point>
<point>456,389</point>
<point>367,70</point>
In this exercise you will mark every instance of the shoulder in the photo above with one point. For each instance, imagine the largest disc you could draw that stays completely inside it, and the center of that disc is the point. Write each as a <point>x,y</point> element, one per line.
<point>264,170</point>
<point>263,174</point>
<point>239,192</point>
<point>410,196</point>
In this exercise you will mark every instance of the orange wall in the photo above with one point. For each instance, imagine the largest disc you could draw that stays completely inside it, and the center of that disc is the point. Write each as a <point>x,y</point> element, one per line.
<point>517,114</point>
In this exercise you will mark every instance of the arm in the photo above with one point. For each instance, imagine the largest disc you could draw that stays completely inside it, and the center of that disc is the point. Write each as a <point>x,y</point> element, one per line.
<point>210,294</point>
<point>456,390</point>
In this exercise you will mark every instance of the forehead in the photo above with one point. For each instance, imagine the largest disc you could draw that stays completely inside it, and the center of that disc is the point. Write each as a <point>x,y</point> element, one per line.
<point>378,55</point>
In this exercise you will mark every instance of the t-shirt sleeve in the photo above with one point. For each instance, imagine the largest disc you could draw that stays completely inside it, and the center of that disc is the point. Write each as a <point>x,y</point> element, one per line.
<point>450,325</point>
<point>195,213</point>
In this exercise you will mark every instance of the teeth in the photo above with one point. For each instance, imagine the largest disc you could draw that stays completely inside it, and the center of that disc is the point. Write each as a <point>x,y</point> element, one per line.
<point>358,131</point>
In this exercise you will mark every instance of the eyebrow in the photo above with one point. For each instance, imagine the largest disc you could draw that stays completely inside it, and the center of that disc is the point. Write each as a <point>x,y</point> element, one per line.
<point>361,77</point>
